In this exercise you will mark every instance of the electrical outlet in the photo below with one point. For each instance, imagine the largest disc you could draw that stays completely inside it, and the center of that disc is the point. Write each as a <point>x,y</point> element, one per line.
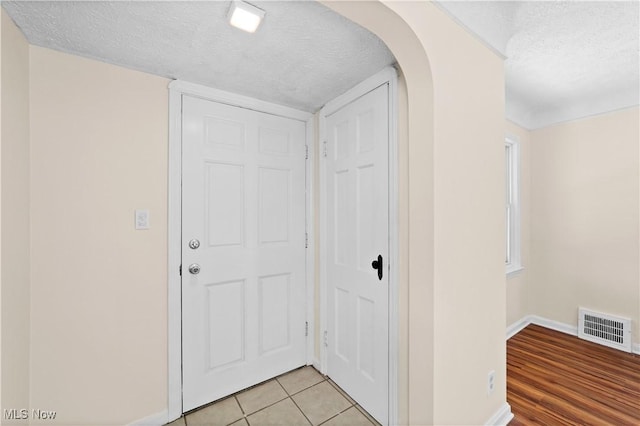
<point>491,382</point>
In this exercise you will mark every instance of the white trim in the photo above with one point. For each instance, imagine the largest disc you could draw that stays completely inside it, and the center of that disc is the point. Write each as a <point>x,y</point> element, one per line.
<point>394,231</point>
<point>174,318</point>
<point>518,326</point>
<point>515,255</point>
<point>158,419</point>
<point>555,325</point>
<point>174,295</point>
<point>228,98</point>
<point>386,76</point>
<point>502,417</point>
<point>567,328</point>
<point>322,139</point>
<point>572,330</point>
<point>513,270</point>
<point>311,250</point>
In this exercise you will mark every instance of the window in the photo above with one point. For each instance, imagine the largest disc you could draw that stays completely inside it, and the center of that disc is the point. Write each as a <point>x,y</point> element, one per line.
<point>512,178</point>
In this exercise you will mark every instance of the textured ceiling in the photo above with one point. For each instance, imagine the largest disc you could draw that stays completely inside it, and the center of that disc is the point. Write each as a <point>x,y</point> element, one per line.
<point>302,55</point>
<point>564,60</point>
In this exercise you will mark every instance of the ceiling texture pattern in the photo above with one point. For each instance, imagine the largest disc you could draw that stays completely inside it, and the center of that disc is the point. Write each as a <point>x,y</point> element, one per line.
<point>563,59</point>
<point>302,55</point>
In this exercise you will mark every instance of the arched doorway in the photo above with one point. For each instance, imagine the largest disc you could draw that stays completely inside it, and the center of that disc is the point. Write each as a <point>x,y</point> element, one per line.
<point>414,366</point>
<point>415,125</point>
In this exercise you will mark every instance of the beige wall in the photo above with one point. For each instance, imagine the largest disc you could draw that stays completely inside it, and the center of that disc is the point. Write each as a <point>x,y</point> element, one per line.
<point>99,300</point>
<point>15,241</point>
<point>99,142</point>
<point>469,225</point>
<point>98,151</point>
<point>1,26</point>
<point>453,259</point>
<point>585,217</point>
<point>518,284</point>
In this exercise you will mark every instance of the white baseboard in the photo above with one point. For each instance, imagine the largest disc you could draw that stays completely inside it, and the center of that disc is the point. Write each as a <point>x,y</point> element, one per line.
<point>572,330</point>
<point>555,325</point>
<point>502,417</point>
<point>157,419</point>
<point>518,326</point>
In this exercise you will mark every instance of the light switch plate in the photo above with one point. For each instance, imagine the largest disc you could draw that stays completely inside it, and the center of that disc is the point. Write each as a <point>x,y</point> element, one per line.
<point>142,219</point>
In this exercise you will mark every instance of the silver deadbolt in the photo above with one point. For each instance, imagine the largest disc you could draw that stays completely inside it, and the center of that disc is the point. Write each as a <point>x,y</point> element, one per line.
<point>194,268</point>
<point>194,244</point>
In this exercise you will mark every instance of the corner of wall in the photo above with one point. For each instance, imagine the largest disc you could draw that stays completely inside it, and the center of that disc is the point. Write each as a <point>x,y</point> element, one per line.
<point>1,11</point>
<point>98,152</point>
<point>518,284</point>
<point>15,237</point>
<point>586,217</point>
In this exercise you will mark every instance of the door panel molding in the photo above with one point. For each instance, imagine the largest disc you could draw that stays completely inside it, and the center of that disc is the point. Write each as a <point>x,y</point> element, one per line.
<point>178,89</point>
<point>387,76</point>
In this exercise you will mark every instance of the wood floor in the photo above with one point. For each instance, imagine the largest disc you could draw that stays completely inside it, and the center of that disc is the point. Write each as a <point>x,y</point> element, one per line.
<point>557,379</point>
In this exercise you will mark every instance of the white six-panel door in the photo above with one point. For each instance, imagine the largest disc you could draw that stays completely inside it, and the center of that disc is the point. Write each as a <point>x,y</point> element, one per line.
<point>357,232</point>
<point>243,189</point>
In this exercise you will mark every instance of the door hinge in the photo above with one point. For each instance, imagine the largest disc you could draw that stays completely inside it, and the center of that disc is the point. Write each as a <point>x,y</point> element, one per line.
<point>324,149</point>
<point>326,338</point>
<point>180,270</point>
<point>306,240</point>
<point>306,328</point>
<point>306,152</point>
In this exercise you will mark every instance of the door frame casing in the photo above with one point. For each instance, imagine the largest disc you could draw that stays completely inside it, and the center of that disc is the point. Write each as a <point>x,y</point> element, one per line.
<point>388,76</point>
<point>178,89</point>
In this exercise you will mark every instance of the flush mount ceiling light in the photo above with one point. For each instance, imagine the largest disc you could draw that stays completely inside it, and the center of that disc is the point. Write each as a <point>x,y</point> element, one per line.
<point>245,16</point>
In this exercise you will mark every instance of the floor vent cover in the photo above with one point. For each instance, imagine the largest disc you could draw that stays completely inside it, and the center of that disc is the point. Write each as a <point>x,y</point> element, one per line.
<point>605,329</point>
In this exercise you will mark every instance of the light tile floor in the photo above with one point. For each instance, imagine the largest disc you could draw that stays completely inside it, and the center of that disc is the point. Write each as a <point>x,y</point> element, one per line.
<point>300,397</point>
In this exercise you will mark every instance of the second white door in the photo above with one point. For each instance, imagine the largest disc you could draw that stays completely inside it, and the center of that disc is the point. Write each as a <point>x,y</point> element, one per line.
<point>243,248</point>
<point>357,249</point>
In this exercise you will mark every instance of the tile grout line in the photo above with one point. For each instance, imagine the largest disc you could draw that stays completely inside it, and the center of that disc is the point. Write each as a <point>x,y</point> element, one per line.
<point>244,415</point>
<point>290,396</point>
<point>354,404</point>
<point>300,409</point>
<point>336,415</point>
<point>340,392</point>
<point>308,387</point>
<point>324,379</point>
<point>366,416</point>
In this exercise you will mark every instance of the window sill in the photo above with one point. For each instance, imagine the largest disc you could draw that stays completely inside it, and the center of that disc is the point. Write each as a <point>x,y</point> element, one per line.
<point>513,270</point>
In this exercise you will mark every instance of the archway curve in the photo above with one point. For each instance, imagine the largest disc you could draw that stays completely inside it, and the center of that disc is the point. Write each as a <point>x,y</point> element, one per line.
<point>416,248</point>
<point>416,214</point>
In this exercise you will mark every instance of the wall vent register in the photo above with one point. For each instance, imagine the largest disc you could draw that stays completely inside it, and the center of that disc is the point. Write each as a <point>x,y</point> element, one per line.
<point>605,329</point>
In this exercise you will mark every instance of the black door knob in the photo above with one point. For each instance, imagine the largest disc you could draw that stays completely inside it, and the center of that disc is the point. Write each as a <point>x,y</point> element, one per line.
<point>377,264</point>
